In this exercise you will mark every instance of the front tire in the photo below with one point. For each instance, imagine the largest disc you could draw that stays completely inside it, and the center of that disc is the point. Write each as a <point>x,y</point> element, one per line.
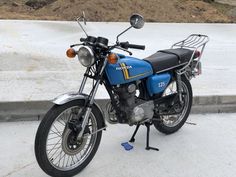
<point>162,124</point>
<point>57,151</point>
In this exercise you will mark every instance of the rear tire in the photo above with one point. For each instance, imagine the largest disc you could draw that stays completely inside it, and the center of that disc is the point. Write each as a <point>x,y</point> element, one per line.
<point>41,141</point>
<point>164,128</point>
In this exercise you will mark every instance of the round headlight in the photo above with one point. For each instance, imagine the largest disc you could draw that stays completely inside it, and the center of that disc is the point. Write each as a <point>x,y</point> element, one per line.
<point>86,56</point>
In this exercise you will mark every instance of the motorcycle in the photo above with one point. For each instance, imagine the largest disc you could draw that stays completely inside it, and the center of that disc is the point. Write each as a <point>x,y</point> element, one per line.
<point>152,91</point>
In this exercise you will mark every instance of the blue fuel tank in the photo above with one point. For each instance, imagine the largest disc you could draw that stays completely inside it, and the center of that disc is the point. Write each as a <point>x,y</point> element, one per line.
<point>127,69</point>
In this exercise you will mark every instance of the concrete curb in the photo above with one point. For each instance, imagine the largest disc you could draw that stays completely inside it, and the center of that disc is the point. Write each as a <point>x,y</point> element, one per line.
<point>214,104</point>
<point>35,110</point>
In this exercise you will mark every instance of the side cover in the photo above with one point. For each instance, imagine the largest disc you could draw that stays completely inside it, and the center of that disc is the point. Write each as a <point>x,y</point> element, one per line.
<point>128,69</point>
<point>157,83</point>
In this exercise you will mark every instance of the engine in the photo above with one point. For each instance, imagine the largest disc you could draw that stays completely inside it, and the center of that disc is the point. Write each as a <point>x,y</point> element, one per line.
<point>131,108</point>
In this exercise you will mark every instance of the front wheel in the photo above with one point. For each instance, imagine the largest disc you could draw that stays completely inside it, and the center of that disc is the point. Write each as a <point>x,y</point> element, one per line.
<point>58,150</point>
<point>169,124</point>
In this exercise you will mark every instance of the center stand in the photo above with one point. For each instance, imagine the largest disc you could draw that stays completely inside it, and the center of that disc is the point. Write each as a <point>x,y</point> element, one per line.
<point>132,139</point>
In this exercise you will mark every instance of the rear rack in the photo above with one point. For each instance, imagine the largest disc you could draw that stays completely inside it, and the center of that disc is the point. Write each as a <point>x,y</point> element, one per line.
<point>195,42</point>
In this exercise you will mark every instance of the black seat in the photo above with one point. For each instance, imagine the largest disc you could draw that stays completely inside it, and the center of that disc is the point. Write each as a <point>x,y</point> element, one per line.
<point>168,59</point>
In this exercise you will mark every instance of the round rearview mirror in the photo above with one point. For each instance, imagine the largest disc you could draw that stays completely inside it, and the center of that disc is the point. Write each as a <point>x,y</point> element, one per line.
<point>136,21</point>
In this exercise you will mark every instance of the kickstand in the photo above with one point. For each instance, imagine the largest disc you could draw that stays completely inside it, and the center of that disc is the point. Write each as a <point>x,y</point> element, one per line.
<point>147,124</point>
<point>132,139</point>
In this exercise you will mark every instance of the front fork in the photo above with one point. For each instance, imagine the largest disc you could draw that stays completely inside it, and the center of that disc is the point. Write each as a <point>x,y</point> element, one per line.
<point>90,101</point>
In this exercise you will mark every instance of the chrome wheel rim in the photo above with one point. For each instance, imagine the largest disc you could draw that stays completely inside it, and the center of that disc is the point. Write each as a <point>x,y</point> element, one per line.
<point>174,120</point>
<point>62,156</point>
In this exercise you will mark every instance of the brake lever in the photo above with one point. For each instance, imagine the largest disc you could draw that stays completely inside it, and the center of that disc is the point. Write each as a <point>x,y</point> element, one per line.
<point>130,53</point>
<point>75,45</point>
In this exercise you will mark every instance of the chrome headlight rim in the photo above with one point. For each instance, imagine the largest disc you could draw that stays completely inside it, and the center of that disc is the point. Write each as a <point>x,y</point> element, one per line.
<point>92,57</point>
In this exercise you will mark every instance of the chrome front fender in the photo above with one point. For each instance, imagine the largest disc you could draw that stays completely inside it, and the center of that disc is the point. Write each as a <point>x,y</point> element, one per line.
<point>67,97</point>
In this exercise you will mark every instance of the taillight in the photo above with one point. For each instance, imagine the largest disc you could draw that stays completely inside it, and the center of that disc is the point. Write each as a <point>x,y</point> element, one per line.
<point>197,54</point>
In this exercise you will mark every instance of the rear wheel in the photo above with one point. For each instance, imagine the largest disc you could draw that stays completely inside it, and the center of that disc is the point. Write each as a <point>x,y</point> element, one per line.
<point>168,124</point>
<point>58,150</point>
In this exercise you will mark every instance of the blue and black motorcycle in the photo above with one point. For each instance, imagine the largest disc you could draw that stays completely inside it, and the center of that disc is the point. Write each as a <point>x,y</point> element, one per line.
<point>150,91</point>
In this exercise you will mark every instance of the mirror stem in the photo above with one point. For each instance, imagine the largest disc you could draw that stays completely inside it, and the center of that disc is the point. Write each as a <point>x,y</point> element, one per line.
<point>81,25</point>
<point>117,38</point>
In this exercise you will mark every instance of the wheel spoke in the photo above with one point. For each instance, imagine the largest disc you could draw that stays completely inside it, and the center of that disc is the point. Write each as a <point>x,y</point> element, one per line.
<point>59,134</point>
<point>77,158</point>
<point>57,130</point>
<point>59,158</point>
<point>62,123</point>
<point>54,154</point>
<point>72,157</point>
<point>67,160</point>
<point>54,138</point>
<point>54,146</point>
<point>64,160</point>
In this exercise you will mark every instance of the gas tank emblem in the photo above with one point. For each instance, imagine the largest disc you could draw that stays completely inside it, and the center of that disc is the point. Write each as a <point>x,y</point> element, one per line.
<point>123,68</point>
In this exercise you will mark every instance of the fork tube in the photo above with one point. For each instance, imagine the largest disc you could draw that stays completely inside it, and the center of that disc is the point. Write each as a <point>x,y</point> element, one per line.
<point>98,82</point>
<point>89,109</point>
<point>91,101</point>
<point>83,82</point>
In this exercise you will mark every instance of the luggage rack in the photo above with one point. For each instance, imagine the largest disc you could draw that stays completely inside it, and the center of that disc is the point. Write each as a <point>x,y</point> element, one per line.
<point>195,42</point>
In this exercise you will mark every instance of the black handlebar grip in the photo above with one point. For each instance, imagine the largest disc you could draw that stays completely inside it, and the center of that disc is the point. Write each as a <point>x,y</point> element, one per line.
<point>82,39</point>
<point>134,46</point>
<point>126,45</point>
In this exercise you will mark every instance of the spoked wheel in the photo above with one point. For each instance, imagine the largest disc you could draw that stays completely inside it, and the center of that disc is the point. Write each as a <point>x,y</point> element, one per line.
<point>171,123</point>
<point>58,149</point>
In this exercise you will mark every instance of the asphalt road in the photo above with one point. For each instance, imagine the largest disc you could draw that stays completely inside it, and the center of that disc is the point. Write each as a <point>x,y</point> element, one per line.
<point>206,149</point>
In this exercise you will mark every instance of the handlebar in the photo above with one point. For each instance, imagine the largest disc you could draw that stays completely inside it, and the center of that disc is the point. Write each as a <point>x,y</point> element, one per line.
<point>127,45</point>
<point>124,45</point>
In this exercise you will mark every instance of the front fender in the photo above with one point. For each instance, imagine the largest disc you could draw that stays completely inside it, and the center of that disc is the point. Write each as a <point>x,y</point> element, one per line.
<point>67,97</point>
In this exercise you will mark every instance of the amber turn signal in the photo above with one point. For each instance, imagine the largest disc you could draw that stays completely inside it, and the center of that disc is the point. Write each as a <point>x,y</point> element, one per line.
<point>70,53</point>
<point>112,58</point>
